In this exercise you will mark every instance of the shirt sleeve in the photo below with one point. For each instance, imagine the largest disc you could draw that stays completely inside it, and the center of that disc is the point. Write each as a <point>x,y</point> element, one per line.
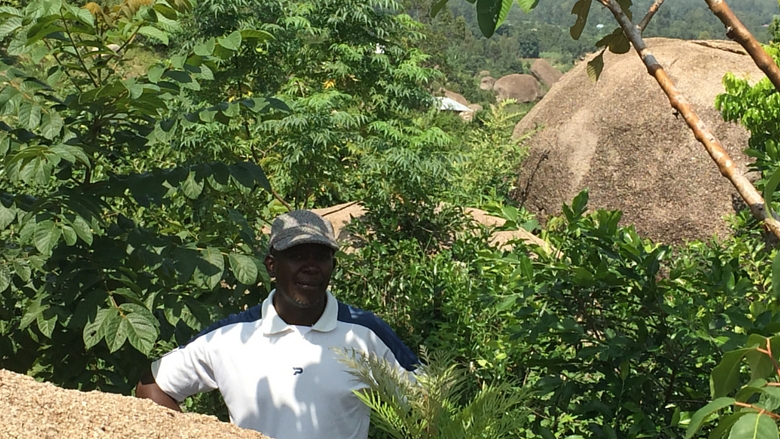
<point>186,370</point>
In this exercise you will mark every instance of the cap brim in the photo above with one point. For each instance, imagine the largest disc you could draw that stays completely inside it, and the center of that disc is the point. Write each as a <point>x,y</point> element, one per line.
<point>292,241</point>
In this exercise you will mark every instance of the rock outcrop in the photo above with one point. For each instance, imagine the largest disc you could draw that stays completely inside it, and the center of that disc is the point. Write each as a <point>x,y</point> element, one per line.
<point>486,83</point>
<point>621,139</point>
<point>545,73</point>
<point>457,97</point>
<point>522,88</point>
<point>341,215</point>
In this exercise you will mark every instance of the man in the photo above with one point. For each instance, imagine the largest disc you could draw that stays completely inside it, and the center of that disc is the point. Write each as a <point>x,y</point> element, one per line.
<point>277,364</point>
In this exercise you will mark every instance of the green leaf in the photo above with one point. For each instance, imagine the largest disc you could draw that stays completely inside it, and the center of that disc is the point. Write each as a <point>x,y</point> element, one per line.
<point>776,276</point>
<point>725,424</point>
<point>29,115</point>
<point>527,5</point>
<point>701,415</point>
<point>5,278</point>
<point>46,236</point>
<point>52,125</point>
<point>595,67</point>
<point>487,16</point>
<point>10,26</point>
<point>22,269</point>
<point>68,234</point>
<point>47,321</point>
<point>155,33</point>
<point>255,36</point>
<point>155,73</point>
<point>34,308</point>
<point>580,203</point>
<point>191,187</point>
<point>754,426</point>
<point>231,42</point>
<point>7,216</point>
<point>210,268</point>
<point>205,48</point>
<point>82,229</point>
<point>248,173</point>
<point>506,5</point>
<point>113,330</point>
<point>165,10</point>
<point>761,366</point>
<point>619,43</point>
<point>526,267</point>
<point>581,9</point>
<point>625,5</point>
<point>725,375</point>
<point>94,330</point>
<point>197,315</point>
<point>437,7</point>
<point>244,268</point>
<point>178,76</point>
<point>770,189</point>
<point>140,326</point>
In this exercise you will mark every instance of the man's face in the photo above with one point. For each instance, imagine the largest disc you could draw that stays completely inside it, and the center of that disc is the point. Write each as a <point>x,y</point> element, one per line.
<point>302,274</point>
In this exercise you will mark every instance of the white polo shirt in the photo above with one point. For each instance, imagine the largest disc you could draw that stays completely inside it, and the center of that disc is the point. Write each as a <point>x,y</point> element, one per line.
<point>286,382</point>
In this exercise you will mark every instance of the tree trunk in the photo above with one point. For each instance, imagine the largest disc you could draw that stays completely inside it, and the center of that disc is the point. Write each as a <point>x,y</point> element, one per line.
<point>739,33</point>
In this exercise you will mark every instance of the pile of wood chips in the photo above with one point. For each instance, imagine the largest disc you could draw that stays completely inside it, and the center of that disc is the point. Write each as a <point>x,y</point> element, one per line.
<point>33,410</point>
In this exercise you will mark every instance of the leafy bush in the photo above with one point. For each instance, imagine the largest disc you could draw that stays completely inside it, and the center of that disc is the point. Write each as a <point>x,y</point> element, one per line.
<point>616,334</point>
<point>112,245</point>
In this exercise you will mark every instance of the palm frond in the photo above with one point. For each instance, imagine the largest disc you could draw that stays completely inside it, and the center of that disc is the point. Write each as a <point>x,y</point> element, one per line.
<point>429,403</point>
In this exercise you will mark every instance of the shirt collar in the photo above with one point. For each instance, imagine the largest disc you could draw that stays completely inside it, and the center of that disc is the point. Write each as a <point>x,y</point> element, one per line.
<point>273,324</point>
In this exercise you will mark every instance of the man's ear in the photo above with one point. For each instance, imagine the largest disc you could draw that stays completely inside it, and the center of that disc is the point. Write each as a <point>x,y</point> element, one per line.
<point>270,265</point>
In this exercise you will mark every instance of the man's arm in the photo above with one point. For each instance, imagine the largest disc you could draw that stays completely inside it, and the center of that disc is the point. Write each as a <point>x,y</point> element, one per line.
<point>147,388</point>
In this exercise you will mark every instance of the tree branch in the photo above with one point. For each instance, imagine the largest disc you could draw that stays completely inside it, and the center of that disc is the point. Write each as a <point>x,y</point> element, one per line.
<point>649,16</point>
<point>711,143</point>
<point>67,73</point>
<point>736,31</point>
<point>76,50</point>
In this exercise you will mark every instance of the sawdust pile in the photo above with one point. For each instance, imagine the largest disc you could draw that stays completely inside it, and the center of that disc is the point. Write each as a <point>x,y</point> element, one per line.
<point>33,410</point>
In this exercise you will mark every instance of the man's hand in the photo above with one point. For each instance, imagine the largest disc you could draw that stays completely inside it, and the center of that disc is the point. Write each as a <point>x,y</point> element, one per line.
<point>148,388</point>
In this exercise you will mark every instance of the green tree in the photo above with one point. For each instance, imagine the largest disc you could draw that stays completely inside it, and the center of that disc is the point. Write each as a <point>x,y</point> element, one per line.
<point>112,246</point>
<point>340,66</point>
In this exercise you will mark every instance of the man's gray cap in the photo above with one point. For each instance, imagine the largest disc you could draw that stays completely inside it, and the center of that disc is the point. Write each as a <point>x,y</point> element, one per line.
<point>301,227</point>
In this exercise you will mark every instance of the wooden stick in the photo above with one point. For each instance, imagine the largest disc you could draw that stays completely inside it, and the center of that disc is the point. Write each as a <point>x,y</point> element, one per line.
<point>739,33</point>
<point>711,143</point>
<point>650,12</point>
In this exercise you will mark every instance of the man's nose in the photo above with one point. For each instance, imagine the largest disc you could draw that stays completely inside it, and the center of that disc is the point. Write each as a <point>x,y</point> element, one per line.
<point>310,264</point>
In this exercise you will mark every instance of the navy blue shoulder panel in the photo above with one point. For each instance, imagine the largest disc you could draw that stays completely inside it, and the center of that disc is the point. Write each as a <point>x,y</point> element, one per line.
<point>404,355</point>
<point>249,315</point>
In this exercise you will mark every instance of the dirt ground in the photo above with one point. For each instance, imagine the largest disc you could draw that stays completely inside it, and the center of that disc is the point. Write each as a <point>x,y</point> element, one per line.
<point>33,410</point>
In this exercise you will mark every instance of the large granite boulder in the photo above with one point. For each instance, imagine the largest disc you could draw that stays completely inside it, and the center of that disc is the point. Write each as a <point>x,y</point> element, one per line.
<point>545,73</point>
<point>522,88</point>
<point>486,83</point>
<point>621,139</point>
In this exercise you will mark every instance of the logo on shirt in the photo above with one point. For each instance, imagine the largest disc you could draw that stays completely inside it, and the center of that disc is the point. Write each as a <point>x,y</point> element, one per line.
<point>297,370</point>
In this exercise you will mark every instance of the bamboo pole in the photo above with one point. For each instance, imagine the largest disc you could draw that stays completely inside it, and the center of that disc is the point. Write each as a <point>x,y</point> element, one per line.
<point>711,143</point>
<point>739,33</point>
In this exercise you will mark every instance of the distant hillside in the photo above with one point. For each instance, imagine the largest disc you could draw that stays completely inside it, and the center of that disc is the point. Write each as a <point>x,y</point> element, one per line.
<point>684,19</point>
